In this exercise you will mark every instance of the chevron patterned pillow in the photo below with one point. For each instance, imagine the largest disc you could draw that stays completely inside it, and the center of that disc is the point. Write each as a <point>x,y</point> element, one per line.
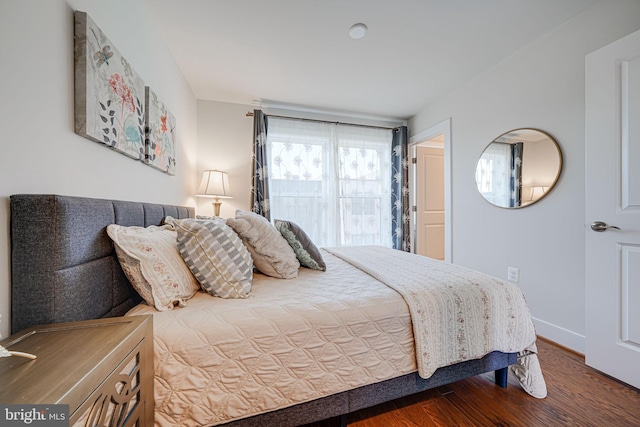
<point>215,255</point>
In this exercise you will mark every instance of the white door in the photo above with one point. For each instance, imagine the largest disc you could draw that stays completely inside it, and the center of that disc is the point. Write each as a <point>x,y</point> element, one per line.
<point>430,201</point>
<point>613,198</point>
<point>439,136</point>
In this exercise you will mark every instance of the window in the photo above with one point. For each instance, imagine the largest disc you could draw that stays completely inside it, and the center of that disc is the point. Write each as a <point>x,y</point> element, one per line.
<point>333,180</point>
<point>493,173</point>
<point>499,174</point>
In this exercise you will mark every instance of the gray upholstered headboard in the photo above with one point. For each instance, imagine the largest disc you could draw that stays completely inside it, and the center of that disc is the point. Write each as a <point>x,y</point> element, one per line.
<point>63,264</point>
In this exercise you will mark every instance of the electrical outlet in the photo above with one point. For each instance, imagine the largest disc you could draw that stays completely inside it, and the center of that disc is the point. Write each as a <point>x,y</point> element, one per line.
<point>513,274</point>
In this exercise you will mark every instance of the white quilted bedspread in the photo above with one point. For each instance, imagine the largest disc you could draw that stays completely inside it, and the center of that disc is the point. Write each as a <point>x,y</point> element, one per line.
<point>458,314</point>
<point>325,332</point>
<point>292,341</point>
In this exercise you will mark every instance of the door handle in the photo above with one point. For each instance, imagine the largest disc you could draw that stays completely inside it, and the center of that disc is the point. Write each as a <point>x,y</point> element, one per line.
<point>600,226</point>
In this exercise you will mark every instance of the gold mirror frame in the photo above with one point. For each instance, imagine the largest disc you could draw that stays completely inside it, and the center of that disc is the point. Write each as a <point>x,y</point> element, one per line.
<point>518,168</point>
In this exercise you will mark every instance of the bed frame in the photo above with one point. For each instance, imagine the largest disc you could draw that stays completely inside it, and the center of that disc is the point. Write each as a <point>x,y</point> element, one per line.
<point>64,268</point>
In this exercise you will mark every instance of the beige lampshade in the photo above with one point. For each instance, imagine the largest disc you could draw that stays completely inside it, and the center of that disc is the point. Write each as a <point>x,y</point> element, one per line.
<point>214,183</point>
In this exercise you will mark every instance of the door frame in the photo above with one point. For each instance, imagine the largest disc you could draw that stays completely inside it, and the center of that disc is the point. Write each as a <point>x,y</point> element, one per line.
<point>421,138</point>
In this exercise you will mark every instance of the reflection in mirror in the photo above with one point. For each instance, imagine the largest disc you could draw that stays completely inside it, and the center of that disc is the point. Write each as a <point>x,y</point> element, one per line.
<point>518,168</point>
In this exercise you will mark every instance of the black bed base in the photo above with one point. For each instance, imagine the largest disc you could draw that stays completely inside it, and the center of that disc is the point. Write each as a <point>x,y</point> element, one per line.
<point>341,404</point>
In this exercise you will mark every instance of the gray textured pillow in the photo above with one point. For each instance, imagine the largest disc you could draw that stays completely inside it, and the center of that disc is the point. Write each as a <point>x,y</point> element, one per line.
<point>215,255</point>
<point>271,253</point>
<point>306,252</point>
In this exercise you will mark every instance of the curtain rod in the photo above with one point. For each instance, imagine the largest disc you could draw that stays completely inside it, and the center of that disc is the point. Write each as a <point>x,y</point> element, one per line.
<point>250,114</point>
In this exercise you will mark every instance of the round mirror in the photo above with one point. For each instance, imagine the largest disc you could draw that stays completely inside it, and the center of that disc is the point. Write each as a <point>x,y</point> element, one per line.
<point>518,168</point>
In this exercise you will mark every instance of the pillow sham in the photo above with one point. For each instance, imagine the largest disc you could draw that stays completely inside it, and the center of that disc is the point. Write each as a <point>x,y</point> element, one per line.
<point>150,259</point>
<point>271,253</point>
<point>307,253</point>
<point>215,255</point>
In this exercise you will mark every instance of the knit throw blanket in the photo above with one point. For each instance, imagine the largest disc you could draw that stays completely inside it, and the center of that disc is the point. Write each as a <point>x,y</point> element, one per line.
<point>457,314</point>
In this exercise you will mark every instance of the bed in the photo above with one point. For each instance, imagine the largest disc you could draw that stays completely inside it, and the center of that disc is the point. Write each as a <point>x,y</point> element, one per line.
<point>64,268</point>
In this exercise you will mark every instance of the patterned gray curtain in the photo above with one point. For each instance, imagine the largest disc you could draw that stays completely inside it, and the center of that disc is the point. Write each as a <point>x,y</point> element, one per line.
<point>516,174</point>
<point>400,207</point>
<point>260,183</point>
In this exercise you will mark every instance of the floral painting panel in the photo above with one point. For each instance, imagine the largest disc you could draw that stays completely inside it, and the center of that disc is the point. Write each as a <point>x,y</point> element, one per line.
<point>160,134</point>
<point>109,94</point>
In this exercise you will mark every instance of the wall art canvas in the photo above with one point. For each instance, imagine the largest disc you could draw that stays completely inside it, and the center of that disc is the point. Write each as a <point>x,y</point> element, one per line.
<point>109,94</point>
<point>160,134</point>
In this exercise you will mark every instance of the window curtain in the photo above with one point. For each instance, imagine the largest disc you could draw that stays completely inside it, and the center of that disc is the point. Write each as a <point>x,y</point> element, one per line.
<point>400,218</point>
<point>331,179</point>
<point>260,183</point>
<point>516,174</point>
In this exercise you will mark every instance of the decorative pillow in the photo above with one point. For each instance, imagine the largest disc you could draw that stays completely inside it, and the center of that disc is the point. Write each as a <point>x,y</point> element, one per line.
<point>215,255</point>
<point>150,259</point>
<point>306,252</point>
<point>208,217</point>
<point>271,253</point>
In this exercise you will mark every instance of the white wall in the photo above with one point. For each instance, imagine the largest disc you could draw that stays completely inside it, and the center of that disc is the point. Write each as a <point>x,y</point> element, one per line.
<point>40,152</point>
<point>225,137</point>
<point>542,86</point>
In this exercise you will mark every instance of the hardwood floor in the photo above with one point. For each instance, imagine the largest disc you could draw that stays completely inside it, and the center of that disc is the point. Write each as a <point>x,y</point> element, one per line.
<point>577,396</point>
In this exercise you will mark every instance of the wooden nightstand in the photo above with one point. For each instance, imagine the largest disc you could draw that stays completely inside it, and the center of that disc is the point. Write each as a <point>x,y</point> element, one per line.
<point>103,369</point>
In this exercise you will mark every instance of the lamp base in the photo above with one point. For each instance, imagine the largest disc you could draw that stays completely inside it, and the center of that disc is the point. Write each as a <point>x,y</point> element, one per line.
<point>216,206</point>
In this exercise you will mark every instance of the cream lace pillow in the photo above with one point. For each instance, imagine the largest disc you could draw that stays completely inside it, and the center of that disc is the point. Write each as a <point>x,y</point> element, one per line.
<point>271,253</point>
<point>150,259</point>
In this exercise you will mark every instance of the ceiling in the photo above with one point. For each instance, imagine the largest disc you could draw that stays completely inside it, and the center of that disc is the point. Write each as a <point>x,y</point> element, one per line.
<point>299,53</point>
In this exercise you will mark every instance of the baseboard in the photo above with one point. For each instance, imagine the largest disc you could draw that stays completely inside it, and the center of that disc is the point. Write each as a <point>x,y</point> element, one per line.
<point>564,337</point>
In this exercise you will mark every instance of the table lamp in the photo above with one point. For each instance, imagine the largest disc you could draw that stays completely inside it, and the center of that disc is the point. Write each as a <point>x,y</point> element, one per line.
<point>215,184</point>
